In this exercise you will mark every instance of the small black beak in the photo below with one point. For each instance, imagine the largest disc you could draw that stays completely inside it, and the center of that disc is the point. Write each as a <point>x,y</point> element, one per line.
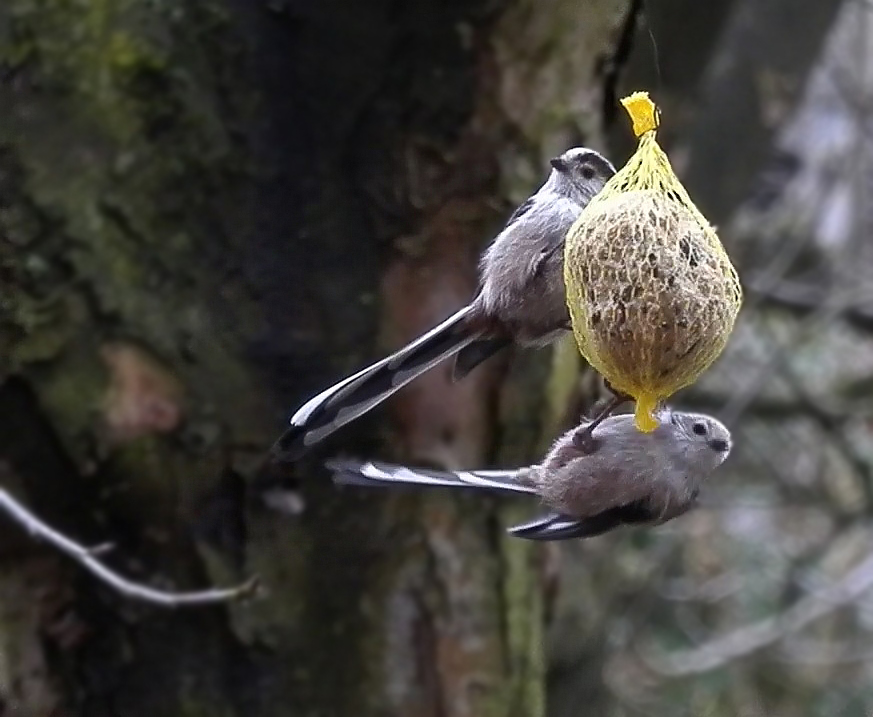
<point>719,444</point>
<point>558,164</point>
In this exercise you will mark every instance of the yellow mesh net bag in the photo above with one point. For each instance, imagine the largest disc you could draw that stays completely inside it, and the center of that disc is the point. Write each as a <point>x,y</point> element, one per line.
<point>652,294</point>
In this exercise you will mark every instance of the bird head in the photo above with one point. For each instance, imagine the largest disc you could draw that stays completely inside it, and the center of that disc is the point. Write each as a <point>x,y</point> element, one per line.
<point>581,172</point>
<point>704,439</point>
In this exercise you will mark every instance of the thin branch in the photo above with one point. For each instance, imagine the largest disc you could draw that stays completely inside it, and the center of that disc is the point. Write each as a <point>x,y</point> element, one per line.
<point>832,428</point>
<point>764,407</point>
<point>713,590</point>
<point>826,653</point>
<point>834,306</point>
<point>746,640</point>
<point>805,299</point>
<point>87,558</point>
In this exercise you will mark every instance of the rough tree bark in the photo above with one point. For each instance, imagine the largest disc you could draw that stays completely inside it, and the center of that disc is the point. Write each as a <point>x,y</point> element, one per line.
<point>210,209</point>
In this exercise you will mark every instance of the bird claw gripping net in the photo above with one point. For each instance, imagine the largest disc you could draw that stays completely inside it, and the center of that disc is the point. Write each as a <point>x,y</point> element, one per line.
<point>652,294</point>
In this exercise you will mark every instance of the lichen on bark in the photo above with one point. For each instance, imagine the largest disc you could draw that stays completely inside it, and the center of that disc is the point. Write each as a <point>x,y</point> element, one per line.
<point>207,210</point>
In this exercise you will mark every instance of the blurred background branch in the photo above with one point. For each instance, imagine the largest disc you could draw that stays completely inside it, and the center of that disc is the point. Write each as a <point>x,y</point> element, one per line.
<point>212,209</point>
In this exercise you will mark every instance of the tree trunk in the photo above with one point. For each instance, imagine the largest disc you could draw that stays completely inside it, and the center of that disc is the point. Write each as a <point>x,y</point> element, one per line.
<point>210,210</point>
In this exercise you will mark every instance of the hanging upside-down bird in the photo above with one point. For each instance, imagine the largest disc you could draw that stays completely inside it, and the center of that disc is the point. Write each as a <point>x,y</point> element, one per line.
<point>617,476</point>
<point>521,300</point>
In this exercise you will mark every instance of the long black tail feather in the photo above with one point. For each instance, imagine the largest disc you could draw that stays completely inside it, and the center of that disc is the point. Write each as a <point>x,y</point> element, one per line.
<point>561,527</point>
<point>476,352</point>
<point>376,474</point>
<point>345,401</point>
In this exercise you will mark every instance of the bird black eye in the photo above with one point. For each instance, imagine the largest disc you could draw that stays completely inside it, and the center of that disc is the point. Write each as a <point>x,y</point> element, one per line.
<point>699,429</point>
<point>719,444</point>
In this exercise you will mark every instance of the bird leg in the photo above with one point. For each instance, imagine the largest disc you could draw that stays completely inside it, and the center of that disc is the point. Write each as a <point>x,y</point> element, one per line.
<point>583,438</point>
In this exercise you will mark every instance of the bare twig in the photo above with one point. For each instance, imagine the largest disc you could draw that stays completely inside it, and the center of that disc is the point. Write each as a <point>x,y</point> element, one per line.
<point>746,640</point>
<point>806,299</point>
<point>827,653</point>
<point>87,558</point>
<point>831,427</point>
<point>713,590</point>
<point>834,306</point>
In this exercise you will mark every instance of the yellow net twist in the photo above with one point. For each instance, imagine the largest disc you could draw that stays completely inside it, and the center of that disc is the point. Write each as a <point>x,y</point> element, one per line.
<point>652,294</point>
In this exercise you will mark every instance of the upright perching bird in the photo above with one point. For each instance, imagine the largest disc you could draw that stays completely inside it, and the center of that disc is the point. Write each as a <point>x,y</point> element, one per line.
<point>626,477</point>
<point>521,299</point>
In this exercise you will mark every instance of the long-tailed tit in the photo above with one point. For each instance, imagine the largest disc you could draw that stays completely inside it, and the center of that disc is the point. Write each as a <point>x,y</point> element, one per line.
<point>521,300</point>
<point>619,476</point>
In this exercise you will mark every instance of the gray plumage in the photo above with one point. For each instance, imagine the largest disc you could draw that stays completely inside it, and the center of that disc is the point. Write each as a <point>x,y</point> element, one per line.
<point>520,300</point>
<point>630,477</point>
